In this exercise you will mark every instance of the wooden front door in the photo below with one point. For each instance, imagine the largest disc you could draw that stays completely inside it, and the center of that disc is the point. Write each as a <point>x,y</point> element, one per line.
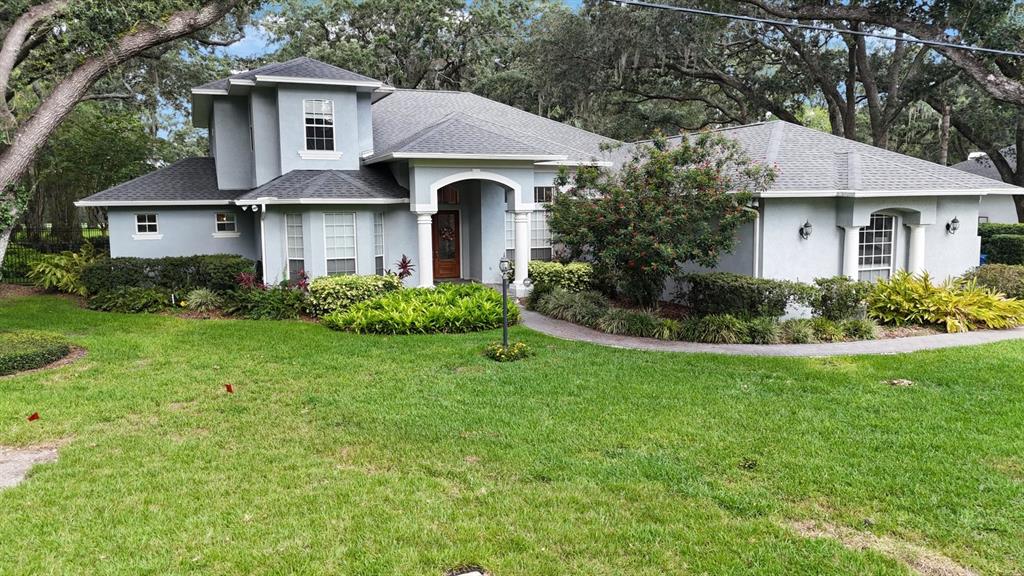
<point>446,244</point>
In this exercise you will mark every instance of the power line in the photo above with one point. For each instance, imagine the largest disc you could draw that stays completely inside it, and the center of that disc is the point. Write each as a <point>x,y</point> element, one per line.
<point>817,27</point>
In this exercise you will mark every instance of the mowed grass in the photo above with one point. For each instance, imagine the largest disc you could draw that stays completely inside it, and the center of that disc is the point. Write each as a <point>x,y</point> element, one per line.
<point>343,454</point>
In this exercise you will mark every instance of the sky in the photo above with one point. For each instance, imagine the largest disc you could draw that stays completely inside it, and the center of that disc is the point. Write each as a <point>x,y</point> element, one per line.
<point>257,43</point>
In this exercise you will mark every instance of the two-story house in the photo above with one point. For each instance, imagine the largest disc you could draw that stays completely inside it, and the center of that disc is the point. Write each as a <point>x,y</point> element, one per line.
<point>318,169</point>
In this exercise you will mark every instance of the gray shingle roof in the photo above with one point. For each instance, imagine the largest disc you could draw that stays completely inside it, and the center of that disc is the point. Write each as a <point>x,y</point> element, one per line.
<point>810,161</point>
<point>367,183</point>
<point>188,180</point>
<point>448,122</point>
<point>982,165</point>
<point>301,67</point>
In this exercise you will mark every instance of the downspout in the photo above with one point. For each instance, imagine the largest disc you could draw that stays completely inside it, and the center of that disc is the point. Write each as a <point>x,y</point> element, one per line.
<point>757,238</point>
<point>263,241</point>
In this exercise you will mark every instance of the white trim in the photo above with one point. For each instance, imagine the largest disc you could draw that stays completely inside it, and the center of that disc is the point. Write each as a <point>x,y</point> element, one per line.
<point>475,174</point>
<point>227,234</point>
<point>603,163</point>
<point>241,82</point>
<point>319,81</point>
<point>882,193</point>
<point>445,156</point>
<point>148,236</point>
<point>383,241</point>
<point>338,201</point>
<point>88,203</point>
<point>209,92</point>
<point>320,154</point>
<point>287,256</point>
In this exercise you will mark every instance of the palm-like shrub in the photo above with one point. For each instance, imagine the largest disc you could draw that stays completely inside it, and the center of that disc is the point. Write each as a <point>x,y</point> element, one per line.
<point>63,272</point>
<point>203,300</point>
<point>957,306</point>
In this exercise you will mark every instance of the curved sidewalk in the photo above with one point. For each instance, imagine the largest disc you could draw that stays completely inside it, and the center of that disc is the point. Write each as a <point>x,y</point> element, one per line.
<point>569,331</point>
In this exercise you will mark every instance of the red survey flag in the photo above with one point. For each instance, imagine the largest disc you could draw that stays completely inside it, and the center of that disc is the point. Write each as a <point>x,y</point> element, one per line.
<point>33,417</point>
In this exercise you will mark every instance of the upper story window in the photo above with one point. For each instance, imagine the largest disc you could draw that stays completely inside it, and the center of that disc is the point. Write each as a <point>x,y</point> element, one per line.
<point>146,224</point>
<point>543,194</point>
<point>319,124</point>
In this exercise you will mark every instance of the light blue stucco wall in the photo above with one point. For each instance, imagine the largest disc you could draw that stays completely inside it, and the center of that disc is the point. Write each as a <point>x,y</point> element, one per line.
<point>266,135</point>
<point>365,122</point>
<point>233,147</point>
<point>426,174</point>
<point>999,209</point>
<point>292,127</point>
<point>182,232</point>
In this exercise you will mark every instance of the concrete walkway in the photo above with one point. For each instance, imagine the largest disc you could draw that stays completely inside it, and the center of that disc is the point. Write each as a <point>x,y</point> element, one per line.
<point>569,331</point>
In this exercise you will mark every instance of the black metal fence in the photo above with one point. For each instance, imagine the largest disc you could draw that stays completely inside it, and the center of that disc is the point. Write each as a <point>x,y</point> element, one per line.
<point>29,246</point>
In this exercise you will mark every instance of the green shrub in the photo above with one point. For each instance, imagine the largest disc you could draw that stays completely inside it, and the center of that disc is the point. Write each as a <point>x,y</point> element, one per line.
<point>30,349</point>
<point>838,298</point>
<point>763,331</point>
<point>859,329</point>
<point>797,331</point>
<point>515,351</point>
<point>826,330</point>
<point>584,308</point>
<point>1007,279</point>
<point>667,329</point>
<point>574,276</point>
<point>987,231</point>
<point>218,272</point>
<point>203,300</point>
<point>131,300</point>
<point>63,272</point>
<point>626,322</point>
<point>739,295</point>
<point>330,293</point>
<point>19,261</point>
<point>718,329</point>
<point>957,306</point>
<point>1005,249</point>
<point>265,303</point>
<point>449,308</point>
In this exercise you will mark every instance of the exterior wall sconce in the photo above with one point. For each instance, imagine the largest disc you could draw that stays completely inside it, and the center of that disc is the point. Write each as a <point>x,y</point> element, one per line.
<point>952,226</point>
<point>806,229</point>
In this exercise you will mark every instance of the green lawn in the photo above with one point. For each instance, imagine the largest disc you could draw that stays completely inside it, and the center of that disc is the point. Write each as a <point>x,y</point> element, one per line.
<point>342,454</point>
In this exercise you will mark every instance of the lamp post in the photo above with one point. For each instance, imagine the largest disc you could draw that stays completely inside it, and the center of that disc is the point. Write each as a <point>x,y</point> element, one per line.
<point>505,267</point>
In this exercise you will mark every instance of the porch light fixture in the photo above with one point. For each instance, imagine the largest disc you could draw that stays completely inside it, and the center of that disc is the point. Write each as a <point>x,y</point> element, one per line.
<point>806,229</point>
<point>953,225</point>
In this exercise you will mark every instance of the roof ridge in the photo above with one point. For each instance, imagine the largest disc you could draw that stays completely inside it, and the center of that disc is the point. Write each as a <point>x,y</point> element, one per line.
<point>423,132</point>
<point>343,176</point>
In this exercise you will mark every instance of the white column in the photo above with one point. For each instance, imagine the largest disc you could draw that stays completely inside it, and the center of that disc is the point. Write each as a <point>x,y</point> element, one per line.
<point>425,248</point>
<point>915,259</point>
<point>522,220</point>
<point>851,252</point>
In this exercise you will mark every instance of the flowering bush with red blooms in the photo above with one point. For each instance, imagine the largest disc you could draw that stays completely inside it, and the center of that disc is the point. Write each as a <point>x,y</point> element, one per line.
<point>668,205</point>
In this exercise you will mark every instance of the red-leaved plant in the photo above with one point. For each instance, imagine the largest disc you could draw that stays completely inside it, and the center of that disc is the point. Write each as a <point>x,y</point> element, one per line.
<point>405,268</point>
<point>250,281</point>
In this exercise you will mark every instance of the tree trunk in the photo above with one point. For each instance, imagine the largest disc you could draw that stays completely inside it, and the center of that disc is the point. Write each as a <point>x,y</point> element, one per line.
<point>944,136</point>
<point>5,239</point>
<point>850,118</point>
<point>1018,173</point>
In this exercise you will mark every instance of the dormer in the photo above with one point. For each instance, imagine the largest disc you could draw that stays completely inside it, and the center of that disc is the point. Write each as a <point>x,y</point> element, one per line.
<point>296,115</point>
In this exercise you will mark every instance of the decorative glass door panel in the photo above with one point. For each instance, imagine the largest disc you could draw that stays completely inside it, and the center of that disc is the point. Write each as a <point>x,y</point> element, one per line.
<point>446,244</point>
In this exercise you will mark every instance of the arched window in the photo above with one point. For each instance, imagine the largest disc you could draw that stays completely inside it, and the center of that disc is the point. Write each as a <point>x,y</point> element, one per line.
<point>877,247</point>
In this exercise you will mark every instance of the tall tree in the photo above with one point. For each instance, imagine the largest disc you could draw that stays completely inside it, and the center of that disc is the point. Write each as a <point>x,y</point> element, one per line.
<point>54,52</point>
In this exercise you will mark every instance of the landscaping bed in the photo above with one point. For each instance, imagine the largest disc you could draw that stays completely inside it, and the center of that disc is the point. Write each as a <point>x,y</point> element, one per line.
<point>23,350</point>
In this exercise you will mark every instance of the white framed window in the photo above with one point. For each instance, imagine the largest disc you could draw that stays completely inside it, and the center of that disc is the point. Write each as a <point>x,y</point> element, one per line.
<point>294,245</point>
<point>540,236</point>
<point>146,224</point>
<point>543,194</point>
<point>510,235</point>
<point>318,121</point>
<point>876,255</point>
<point>225,222</point>
<point>378,243</point>
<point>340,242</point>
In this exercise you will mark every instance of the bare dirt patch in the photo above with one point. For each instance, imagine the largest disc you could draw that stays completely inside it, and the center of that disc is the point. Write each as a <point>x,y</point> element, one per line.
<point>18,291</point>
<point>920,560</point>
<point>16,462</point>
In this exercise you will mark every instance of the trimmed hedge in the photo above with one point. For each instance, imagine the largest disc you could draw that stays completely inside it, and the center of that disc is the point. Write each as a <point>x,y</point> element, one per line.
<point>448,308</point>
<point>29,349</point>
<point>1005,278</point>
<point>839,298</point>
<point>574,276</point>
<point>218,272</point>
<point>1005,249</point>
<point>989,230</point>
<point>718,293</point>
<point>332,293</point>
